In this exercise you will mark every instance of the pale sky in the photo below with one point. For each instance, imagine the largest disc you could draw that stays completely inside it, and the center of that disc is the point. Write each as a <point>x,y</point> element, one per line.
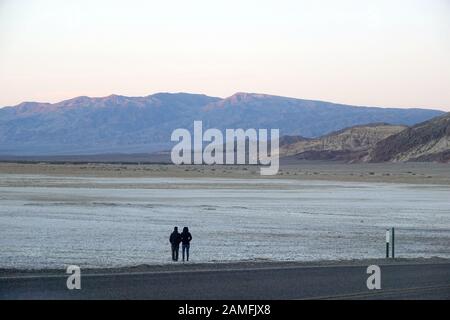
<point>377,53</point>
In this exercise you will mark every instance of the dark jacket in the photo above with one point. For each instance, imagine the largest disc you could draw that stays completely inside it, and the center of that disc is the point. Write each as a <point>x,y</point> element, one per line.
<point>186,237</point>
<point>175,238</point>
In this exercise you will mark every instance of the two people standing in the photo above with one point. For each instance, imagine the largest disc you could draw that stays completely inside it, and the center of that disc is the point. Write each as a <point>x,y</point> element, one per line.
<point>176,238</point>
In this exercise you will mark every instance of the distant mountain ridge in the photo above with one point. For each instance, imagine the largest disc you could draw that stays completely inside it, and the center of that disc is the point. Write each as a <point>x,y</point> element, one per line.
<point>112,124</point>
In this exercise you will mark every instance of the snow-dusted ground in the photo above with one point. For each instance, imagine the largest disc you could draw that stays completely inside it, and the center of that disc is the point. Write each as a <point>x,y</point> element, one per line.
<point>49,222</point>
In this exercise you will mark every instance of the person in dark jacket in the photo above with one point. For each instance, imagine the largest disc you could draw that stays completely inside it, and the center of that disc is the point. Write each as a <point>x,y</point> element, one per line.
<point>175,239</point>
<point>186,238</point>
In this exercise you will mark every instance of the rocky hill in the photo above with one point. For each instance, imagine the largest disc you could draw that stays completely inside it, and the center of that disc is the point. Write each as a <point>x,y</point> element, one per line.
<point>427,141</point>
<point>350,144</point>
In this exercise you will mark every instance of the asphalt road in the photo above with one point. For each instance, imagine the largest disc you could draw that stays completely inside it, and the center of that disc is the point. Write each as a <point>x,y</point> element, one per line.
<point>398,281</point>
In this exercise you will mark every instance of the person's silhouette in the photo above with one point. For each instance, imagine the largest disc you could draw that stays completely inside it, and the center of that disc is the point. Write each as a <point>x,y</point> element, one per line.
<point>175,239</point>
<point>186,238</point>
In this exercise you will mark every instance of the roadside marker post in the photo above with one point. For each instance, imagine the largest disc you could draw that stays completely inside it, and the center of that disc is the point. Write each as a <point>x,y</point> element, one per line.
<point>393,243</point>
<point>387,243</point>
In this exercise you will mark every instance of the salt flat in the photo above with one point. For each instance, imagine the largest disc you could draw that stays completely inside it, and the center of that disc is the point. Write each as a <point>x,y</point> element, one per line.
<point>49,221</point>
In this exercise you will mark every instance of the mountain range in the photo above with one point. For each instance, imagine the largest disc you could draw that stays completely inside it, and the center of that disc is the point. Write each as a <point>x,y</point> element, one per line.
<point>120,124</point>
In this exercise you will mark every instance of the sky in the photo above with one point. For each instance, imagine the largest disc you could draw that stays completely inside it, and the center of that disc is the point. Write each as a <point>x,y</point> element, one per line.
<point>374,53</point>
